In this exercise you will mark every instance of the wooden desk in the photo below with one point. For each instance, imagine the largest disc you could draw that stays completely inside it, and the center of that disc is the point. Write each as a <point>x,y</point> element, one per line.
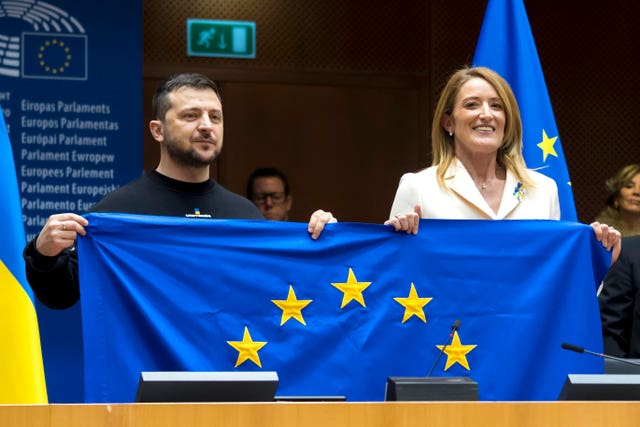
<point>336,414</point>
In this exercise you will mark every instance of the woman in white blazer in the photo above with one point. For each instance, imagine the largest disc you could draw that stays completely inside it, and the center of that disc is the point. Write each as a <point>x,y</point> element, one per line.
<point>478,170</point>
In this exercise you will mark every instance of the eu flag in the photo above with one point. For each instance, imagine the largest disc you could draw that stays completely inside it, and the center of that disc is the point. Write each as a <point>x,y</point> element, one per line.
<point>54,56</point>
<point>506,45</point>
<point>21,370</point>
<point>337,316</point>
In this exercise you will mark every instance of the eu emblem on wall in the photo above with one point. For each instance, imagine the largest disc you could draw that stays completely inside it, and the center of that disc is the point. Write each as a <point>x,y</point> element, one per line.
<point>54,56</point>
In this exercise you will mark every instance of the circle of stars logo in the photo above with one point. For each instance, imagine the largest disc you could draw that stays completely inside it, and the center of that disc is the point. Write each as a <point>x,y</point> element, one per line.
<point>54,56</point>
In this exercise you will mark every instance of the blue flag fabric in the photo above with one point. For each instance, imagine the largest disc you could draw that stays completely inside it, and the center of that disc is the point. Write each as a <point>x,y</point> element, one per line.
<point>337,316</point>
<point>506,45</point>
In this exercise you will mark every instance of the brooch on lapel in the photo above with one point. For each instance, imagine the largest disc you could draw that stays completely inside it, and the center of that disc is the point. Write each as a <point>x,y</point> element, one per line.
<point>519,192</point>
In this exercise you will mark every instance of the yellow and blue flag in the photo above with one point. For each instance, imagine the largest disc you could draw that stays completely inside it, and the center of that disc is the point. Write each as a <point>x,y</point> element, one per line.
<point>21,369</point>
<point>506,45</point>
<point>338,315</point>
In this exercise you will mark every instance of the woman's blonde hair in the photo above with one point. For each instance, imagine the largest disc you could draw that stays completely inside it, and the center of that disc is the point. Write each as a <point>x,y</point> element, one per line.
<point>509,154</point>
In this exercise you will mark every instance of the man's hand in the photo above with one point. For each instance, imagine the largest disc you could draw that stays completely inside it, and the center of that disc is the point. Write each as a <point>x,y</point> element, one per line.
<point>60,232</point>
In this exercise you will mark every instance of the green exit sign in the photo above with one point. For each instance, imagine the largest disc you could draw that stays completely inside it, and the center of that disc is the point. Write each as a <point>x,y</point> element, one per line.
<point>224,39</point>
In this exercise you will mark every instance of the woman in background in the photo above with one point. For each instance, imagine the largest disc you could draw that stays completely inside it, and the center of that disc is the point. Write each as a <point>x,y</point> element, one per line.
<point>623,201</point>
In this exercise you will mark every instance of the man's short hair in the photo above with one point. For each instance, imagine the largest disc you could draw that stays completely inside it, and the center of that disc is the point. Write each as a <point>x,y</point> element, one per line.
<point>160,102</point>
<point>266,173</point>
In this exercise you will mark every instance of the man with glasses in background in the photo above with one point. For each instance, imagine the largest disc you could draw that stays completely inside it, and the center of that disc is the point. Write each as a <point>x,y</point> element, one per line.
<point>268,189</point>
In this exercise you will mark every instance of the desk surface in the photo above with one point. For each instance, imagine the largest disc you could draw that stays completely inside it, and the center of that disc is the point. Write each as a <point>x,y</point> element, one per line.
<point>334,414</point>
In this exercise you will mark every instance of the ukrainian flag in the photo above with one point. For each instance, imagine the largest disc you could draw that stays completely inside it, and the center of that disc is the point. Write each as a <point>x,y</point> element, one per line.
<point>506,45</point>
<point>21,369</point>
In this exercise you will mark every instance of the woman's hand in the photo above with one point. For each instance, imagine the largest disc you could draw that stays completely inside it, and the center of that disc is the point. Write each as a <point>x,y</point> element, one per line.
<point>408,222</point>
<point>610,238</point>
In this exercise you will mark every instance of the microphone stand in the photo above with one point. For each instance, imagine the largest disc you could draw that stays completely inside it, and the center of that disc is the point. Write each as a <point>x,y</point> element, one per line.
<point>454,328</point>
<point>577,349</point>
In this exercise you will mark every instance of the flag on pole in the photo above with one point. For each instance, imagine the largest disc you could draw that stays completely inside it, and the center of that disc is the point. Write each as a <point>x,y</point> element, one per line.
<point>21,369</point>
<point>506,45</point>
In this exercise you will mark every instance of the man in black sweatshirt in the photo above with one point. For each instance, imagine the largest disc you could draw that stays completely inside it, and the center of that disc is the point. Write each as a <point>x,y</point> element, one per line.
<point>188,125</point>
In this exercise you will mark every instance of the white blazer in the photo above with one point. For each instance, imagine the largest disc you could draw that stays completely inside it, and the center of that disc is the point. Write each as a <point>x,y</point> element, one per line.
<point>462,199</point>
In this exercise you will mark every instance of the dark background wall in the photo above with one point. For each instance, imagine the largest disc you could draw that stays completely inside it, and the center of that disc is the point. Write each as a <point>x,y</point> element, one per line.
<point>340,94</point>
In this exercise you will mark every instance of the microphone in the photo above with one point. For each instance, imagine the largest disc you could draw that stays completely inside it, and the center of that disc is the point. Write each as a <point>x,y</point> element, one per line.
<point>577,349</point>
<point>454,328</point>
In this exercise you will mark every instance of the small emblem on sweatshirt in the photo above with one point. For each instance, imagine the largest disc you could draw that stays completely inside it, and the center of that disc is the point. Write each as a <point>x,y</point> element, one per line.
<point>196,214</point>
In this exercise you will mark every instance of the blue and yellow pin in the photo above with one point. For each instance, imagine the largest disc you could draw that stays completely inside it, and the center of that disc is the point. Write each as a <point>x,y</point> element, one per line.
<point>519,192</point>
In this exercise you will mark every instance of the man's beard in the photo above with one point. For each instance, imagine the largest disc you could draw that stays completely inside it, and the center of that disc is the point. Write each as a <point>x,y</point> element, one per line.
<point>190,157</point>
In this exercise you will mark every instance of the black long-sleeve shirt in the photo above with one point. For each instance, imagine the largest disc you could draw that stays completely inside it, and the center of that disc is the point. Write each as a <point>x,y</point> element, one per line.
<point>54,280</point>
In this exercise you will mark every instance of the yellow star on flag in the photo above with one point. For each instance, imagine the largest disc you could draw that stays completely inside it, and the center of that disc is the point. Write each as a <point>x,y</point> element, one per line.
<point>413,305</point>
<point>291,307</point>
<point>456,352</point>
<point>247,349</point>
<point>547,146</point>
<point>352,289</point>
